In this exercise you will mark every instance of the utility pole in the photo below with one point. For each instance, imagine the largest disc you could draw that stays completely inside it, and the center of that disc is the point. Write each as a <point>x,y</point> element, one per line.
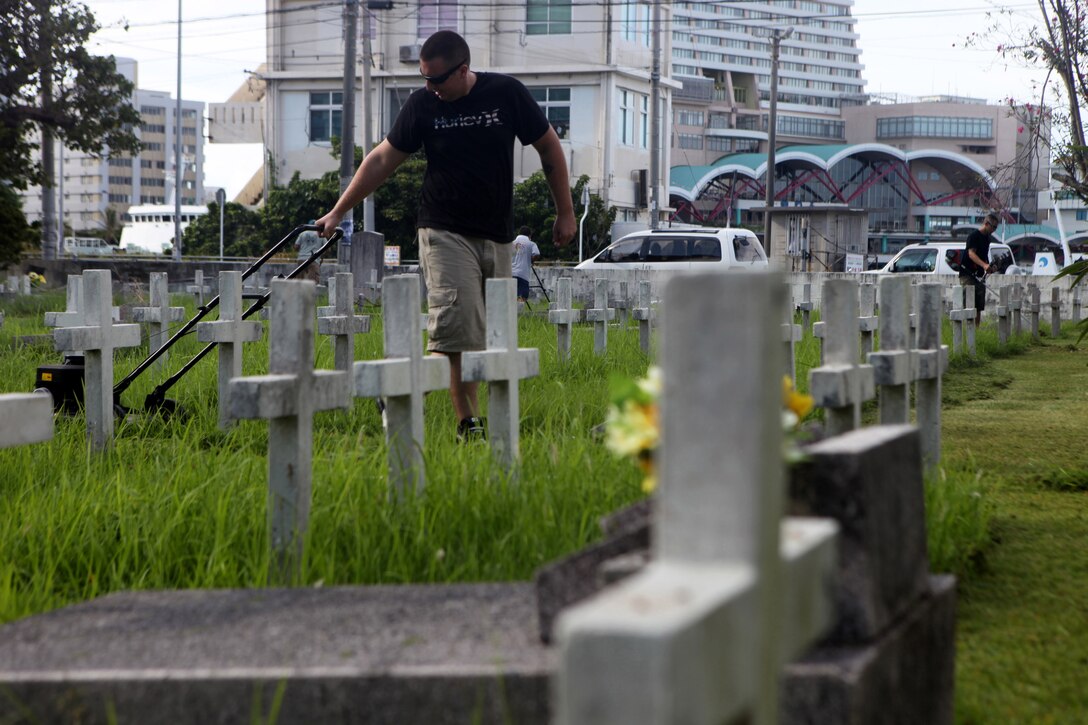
<point>49,217</point>
<point>777,35</point>
<point>655,119</point>
<point>347,115</point>
<point>368,203</point>
<point>178,168</point>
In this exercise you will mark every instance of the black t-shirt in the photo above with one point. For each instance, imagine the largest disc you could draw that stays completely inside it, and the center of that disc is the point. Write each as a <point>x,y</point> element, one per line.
<point>979,242</point>
<point>469,184</point>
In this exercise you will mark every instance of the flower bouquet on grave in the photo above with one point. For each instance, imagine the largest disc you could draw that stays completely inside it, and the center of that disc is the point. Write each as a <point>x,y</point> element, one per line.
<point>633,429</point>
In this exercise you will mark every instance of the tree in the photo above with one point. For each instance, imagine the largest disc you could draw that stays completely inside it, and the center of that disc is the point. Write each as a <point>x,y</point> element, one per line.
<point>90,106</point>
<point>297,203</point>
<point>534,208</point>
<point>15,233</point>
<point>243,232</point>
<point>396,203</point>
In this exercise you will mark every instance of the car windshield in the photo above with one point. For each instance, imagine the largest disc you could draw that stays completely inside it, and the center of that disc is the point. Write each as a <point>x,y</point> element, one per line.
<point>915,260</point>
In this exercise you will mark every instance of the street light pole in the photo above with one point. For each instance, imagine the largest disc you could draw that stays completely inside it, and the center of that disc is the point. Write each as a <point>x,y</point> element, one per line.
<point>777,35</point>
<point>178,168</point>
<point>655,119</point>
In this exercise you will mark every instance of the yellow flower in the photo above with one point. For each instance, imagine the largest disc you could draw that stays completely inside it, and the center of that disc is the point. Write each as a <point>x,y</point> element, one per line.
<point>797,403</point>
<point>632,429</point>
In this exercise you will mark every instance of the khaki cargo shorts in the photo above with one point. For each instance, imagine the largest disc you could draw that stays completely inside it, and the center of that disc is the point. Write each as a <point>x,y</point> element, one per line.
<point>456,268</point>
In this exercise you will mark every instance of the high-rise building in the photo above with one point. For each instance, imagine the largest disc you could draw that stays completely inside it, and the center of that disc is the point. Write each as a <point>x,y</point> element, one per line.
<point>90,186</point>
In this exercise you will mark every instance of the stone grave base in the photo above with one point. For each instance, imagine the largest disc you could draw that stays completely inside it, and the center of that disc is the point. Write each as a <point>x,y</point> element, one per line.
<point>384,654</point>
<point>905,676</point>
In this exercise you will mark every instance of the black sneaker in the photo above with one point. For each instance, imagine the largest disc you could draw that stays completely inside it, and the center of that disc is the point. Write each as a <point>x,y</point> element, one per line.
<point>471,429</point>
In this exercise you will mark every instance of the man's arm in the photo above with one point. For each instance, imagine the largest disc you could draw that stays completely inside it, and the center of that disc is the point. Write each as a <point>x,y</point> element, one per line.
<point>554,165</point>
<point>377,166</point>
<point>978,260</point>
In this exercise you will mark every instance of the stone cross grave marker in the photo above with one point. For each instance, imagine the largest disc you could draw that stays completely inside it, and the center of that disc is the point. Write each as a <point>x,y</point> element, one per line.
<point>892,368</point>
<point>969,326</point>
<point>401,379</point>
<point>806,305</point>
<point>791,336</point>
<point>600,315</point>
<point>198,289</point>
<point>342,325</point>
<point>12,286</point>
<point>563,317</point>
<point>1016,306</point>
<point>229,332</point>
<point>288,396</point>
<point>700,634</point>
<point>930,360</point>
<point>840,384</point>
<point>329,309</point>
<point>97,337</point>
<point>867,319</point>
<point>72,315</point>
<point>644,314</point>
<point>24,284</point>
<point>501,366</point>
<point>1034,308</point>
<point>1055,312</point>
<point>1076,306</point>
<point>158,315</point>
<point>959,315</point>
<point>372,288</point>
<point>819,330</point>
<point>621,305</point>
<point>25,418</point>
<point>1003,314</point>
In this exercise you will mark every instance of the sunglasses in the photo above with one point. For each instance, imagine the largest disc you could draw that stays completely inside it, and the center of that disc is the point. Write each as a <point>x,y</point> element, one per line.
<point>442,78</point>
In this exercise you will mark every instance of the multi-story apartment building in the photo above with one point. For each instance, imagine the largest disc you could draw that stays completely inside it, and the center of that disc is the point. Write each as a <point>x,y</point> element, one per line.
<point>587,64</point>
<point>721,53</point>
<point>91,184</point>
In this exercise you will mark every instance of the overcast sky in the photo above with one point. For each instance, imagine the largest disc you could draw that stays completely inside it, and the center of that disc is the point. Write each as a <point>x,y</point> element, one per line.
<point>915,48</point>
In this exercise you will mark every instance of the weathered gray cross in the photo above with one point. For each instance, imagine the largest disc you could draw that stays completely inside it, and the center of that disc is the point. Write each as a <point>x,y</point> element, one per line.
<point>229,332</point>
<point>699,636</point>
<point>644,313</point>
<point>1003,313</point>
<point>341,323</point>
<point>791,335</point>
<point>840,384</point>
<point>1055,312</point>
<point>501,366</point>
<point>806,305</point>
<point>1034,309</point>
<point>1076,306</point>
<point>25,418</point>
<point>198,289</point>
<point>97,337</point>
<point>401,379</point>
<point>158,315</point>
<point>600,315</point>
<point>72,315</point>
<point>621,304</point>
<point>960,315</point>
<point>930,362</point>
<point>288,396</point>
<point>563,317</point>
<point>867,319</point>
<point>892,366</point>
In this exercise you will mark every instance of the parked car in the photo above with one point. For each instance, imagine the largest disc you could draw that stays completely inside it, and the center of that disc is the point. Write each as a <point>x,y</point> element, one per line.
<point>682,249</point>
<point>945,258</point>
<point>87,247</point>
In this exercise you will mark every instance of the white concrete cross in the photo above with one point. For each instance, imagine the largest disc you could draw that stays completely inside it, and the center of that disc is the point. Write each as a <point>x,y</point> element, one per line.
<point>840,384</point>
<point>13,284</point>
<point>960,315</point>
<point>600,315</point>
<point>892,368</point>
<point>97,337</point>
<point>198,289</point>
<point>806,305</point>
<point>501,366</point>
<point>1034,309</point>
<point>867,319</point>
<point>401,379</point>
<point>1016,304</point>
<point>645,315</point>
<point>342,324</point>
<point>1003,312</point>
<point>72,315</point>
<point>621,305</point>
<point>733,591</point>
<point>1055,312</point>
<point>791,336</point>
<point>158,315</point>
<point>230,332</point>
<point>24,284</point>
<point>819,329</point>
<point>372,288</point>
<point>25,418</point>
<point>1076,306</point>
<point>288,397</point>
<point>969,326</point>
<point>563,317</point>
<point>930,360</point>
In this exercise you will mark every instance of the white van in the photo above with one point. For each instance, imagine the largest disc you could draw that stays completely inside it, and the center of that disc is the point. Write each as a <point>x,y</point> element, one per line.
<point>945,258</point>
<point>86,247</point>
<point>682,249</point>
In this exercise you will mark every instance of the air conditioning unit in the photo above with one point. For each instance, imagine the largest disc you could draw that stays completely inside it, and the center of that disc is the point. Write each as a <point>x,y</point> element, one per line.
<point>409,53</point>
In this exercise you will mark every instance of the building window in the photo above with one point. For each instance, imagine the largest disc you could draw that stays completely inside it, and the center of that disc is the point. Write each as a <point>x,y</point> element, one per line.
<point>690,118</point>
<point>689,141</point>
<point>626,119</point>
<point>555,102</point>
<point>740,95</point>
<point>152,128</point>
<point>119,198</point>
<point>934,127</point>
<point>635,22</point>
<point>1082,215</point>
<point>325,115</point>
<point>644,122</point>
<point>152,110</point>
<point>717,143</point>
<point>547,17</point>
<point>152,146</point>
<point>435,15</point>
